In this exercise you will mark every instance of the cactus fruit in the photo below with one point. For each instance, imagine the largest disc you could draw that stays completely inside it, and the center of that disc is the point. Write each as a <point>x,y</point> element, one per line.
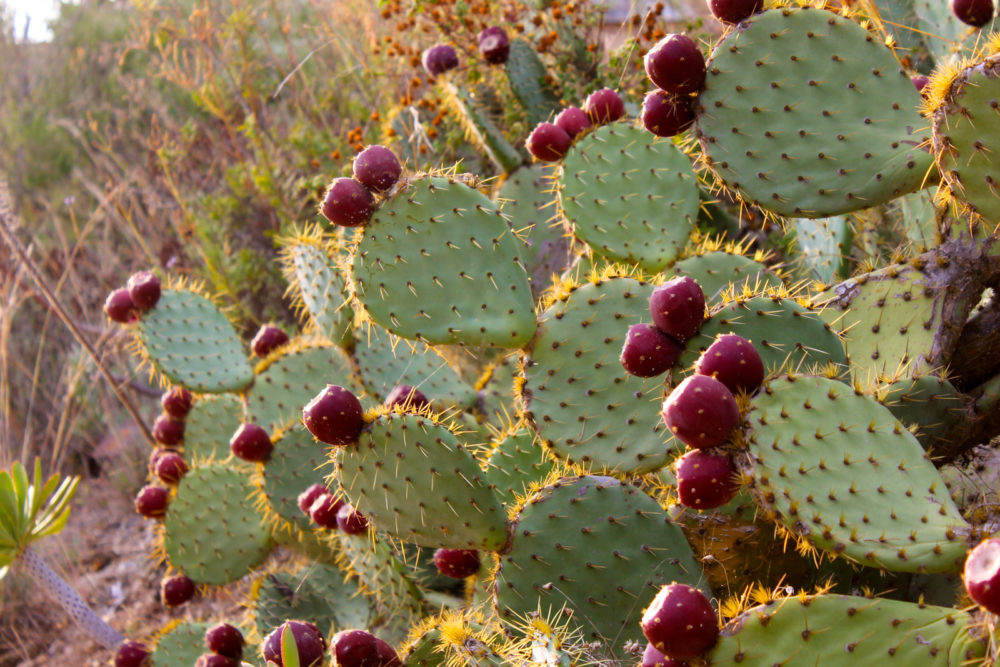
<point>548,142</point>
<point>676,65</point>
<point>225,639</point>
<point>573,121</point>
<point>132,654</point>
<point>334,416</point>
<point>680,622</point>
<point>982,575</point>
<point>309,496</point>
<point>604,106</point>
<point>439,59</point>
<point>678,308</point>
<point>666,115</point>
<point>308,640</point>
<point>357,648</point>
<point>348,203</point>
<point>351,521</point>
<point>406,396</point>
<point>144,288</point>
<point>325,509</point>
<point>378,168</point>
<point>733,361</point>
<point>976,13</point>
<point>176,590</point>
<point>170,467</point>
<point>216,660</point>
<point>648,352</point>
<point>177,402</point>
<point>705,480</point>
<point>251,443</point>
<point>701,412</point>
<point>268,339</point>
<point>734,11</point>
<point>457,563</point>
<point>494,45</point>
<point>120,308</point>
<point>653,657</point>
<point>151,501</point>
<point>168,431</point>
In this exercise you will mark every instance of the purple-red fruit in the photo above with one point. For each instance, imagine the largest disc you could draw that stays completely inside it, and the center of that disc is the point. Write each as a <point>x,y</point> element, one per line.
<point>387,655</point>
<point>177,402</point>
<point>309,496</point>
<point>144,288</point>
<point>548,142</point>
<point>701,412</point>
<point>680,622</point>
<point>120,308</point>
<point>652,657</point>
<point>378,168</point>
<point>982,575</point>
<point>348,203</point>
<point>734,11</point>
<point>974,12</point>
<point>325,509</point>
<point>170,467</point>
<point>457,563</point>
<point>308,640</point>
<point>494,45</point>
<point>404,394</point>
<point>168,431</point>
<point>439,59</point>
<point>572,120</point>
<point>151,501</point>
<point>355,648</point>
<point>132,654</point>
<point>176,589</point>
<point>666,115</point>
<point>351,521</point>
<point>920,82</point>
<point>268,339</point>
<point>335,416</point>
<point>251,443</point>
<point>733,361</point>
<point>678,308</point>
<point>216,660</point>
<point>225,639</point>
<point>604,106</point>
<point>675,64</point>
<point>648,352</point>
<point>705,480</point>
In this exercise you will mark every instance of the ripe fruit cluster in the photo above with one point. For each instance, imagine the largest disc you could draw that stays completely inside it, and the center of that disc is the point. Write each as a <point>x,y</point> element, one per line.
<point>549,142</point>
<point>350,202</point>
<point>125,304</point>
<point>680,622</point>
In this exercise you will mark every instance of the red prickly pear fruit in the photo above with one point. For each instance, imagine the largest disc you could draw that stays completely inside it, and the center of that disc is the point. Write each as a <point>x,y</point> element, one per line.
<point>120,308</point>
<point>151,501</point>
<point>251,443</point>
<point>457,563</point>
<point>734,11</point>
<point>704,480</point>
<point>548,142</point>
<point>678,308</point>
<point>439,59</point>
<point>177,402</point>
<point>351,521</point>
<point>325,509</point>
<point>216,660</point>
<point>651,657</point>
<point>733,361</point>
<point>335,416</point>
<point>572,120</point>
<point>268,339</point>
<point>309,641</point>
<point>973,12</point>
<point>378,168</point>
<point>348,203</point>
<point>144,288</point>
<point>666,115</point>
<point>982,575</point>
<point>675,64</point>
<point>701,412</point>
<point>133,654</point>
<point>170,467</point>
<point>648,352</point>
<point>680,622</point>
<point>168,431</point>
<point>604,106</point>
<point>920,82</point>
<point>494,45</point>
<point>387,655</point>
<point>225,639</point>
<point>175,590</point>
<point>309,496</point>
<point>355,648</point>
<point>406,395</point>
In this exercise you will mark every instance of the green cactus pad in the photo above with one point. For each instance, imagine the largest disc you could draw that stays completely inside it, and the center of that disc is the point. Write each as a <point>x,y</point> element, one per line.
<point>481,129</point>
<point>835,630</point>
<point>296,463</point>
<point>577,396</point>
<point>319,594</point>
<point>212,533</point>
<point>946,36</point>
<point>318,285</point>
<point>824,246</point>
<point>717,271</point>
<point>841,472</point>
<point>181,645</point>
<point>785,334</point>
<point>209,426</point>
<point>422,650</point>
<point>530,83</point>
<point>600,547</point>
<point>386,361</point>
<point>516,462</point>
<point>498,392</point>
<point>190,341</point>
<point>287,382</point>
<point>966,125</point>
<point>806,114</point>
<point>631,196</point>
<point>931,404</point>
<point>917,219</point>
<point>414,478</point>
<point>439,263</point>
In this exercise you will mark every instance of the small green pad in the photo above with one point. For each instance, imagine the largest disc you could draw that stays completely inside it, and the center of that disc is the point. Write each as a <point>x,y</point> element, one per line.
<point>190,341</point>
<point>630,195</point>
<point>296,463</point>
<point>824,246</point>
<point>181,646</point>
<point>717,271</point>
<point>414,478</point>
<point>212,533</point>
<point>517,462</point>
<point>577,396</point>
<point>209,426</point>
<point>806,114</point>
<point>842,472</point>
<point>529,82</point>
<point>319,594</point>
<point>829,630</point>
<point>439,263</point>
<point>601,548</point>
<point>320,286</point>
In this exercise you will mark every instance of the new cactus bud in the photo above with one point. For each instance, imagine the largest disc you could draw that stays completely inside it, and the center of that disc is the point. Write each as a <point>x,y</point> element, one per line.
<point>133,654</point>
<point>378,168</point>
<point>701,412</point>
<point>348,203</point>
<point>666,115</point>
<point>494,45</point>
<point>648,352</point>
<point>676,65</point>
<point>734,11</point>
<point>151,501</point>
<point>251,443</point>
<point>457,563</point>
<point>704,480</point>
<point>678,308</point>
<point>439,59</point>
<point>982,575</point>
<point>176,589</point>
<point>225,639</point>
<point>144,289</point>
<point>177,402</point>
<point>680,622</point>
<point>335,416</point>
<point>572,120</point>
<point>309,641</point>
<point>604,106</point>
<point>548,142</point>
<point>120,308</point>
<point>976,13</point>
<point>733,361</point>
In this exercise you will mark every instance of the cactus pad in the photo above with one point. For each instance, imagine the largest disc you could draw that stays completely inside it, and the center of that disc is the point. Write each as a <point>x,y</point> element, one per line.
<point>209,426</point>
<point>931,404</point>
<point>530,82</point>
<point>717,271</point>
<point>481,129</point>
<point>516,462</point>
<point>317,284</point>
<point>181,645</point>
<point>946,36</point>
<point>319,594</point>
<point>295,464</point>
<point>824,247</point>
